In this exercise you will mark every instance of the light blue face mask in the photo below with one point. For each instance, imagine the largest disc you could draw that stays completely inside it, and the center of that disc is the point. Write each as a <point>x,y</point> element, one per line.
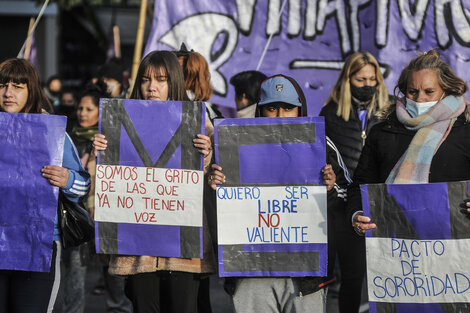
<point>418,108</point>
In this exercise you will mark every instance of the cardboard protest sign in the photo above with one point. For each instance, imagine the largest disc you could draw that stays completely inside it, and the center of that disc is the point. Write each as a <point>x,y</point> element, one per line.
<point>417,255</point>
<point>28,205</point>
<point>271,212</point>
<point>149,183</point>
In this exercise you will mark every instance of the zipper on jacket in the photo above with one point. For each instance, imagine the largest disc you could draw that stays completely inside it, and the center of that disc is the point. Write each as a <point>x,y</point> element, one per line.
<point>364,136</point>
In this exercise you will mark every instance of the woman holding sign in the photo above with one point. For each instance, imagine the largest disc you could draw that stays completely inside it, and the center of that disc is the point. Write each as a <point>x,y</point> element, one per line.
<point>27,291</point>
<point>159,284</point>
<point>429,126</point>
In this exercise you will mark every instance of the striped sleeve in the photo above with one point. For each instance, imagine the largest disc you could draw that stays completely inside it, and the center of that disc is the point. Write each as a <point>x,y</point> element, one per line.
<point>78,183</point>
<point>339,167</point>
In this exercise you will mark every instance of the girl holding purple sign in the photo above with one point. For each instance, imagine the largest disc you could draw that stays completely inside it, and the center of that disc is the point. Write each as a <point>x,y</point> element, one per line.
<point>28,291</point>
<point>161,284</point>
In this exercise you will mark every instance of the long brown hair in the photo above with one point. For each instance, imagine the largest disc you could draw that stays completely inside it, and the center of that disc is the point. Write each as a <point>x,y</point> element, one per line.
<point>167,61</point>
<point>21,71</point>
<point>341,92</point>
<point>197,77</point>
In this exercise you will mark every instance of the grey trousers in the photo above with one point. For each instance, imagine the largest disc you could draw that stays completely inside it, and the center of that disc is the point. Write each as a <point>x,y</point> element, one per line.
<point>71,297</point>
<point>275,295</point>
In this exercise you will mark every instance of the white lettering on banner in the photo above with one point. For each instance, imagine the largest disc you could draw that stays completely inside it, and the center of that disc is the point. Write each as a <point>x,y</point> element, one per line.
<point>418,271</point>
<point>258,215</point>
<point>245,13</point>
<point>200,31</point>
<point>460,22</point>
<point>146,195</point>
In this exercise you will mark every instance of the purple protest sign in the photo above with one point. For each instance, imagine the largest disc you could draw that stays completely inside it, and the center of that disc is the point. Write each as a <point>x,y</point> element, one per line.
<point>28,206</point>
<point>271,211</point>
<point>416,255</point>
<point>310,38</point>
<point>149,182</point>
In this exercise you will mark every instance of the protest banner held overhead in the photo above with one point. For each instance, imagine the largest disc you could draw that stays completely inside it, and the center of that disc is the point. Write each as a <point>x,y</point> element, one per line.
<point>149,182</point>
<point>271,210</point>
<point>310,39</point>
<point>28,205</point>
<point>416,257</point>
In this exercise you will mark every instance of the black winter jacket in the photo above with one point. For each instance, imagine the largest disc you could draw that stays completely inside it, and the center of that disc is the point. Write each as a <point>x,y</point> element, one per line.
<point>347,136</point>
<point>388,141</point>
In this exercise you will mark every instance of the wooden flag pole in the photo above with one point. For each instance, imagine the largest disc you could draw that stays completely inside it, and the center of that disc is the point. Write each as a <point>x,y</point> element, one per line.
<point>29,40</point>
<point>139,40</point>
<point>117,42</point>
<point>44,6</point>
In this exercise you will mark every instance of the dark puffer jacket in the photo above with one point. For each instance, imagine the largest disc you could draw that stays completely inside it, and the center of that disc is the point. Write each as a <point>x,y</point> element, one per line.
<point>388,141</point>
<point>347,136</point>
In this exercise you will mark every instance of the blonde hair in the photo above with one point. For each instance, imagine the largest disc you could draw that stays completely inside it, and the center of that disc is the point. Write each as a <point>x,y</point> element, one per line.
<point>431,60</point>
<point>341,92</point>
<point>450,83</point>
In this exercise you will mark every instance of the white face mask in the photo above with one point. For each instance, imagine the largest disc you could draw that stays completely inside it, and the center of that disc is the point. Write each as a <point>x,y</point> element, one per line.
<point>113,87</point>
<point>418,108</point>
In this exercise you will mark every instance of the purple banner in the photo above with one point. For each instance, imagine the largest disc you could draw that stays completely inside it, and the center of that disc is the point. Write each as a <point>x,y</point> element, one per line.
<point>415,256</point>
<point>310,39</point>
<point>149,134</point>
<point>271,208</point>
<point>28,205</point>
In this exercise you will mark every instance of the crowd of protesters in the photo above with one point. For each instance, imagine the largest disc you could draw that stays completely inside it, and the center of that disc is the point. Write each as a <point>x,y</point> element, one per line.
<point>372,137</point>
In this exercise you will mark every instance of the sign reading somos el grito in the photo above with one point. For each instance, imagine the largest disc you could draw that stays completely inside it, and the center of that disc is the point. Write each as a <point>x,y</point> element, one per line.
<point>416,257</point>
<point>149,183</point>
<point>271,211</point>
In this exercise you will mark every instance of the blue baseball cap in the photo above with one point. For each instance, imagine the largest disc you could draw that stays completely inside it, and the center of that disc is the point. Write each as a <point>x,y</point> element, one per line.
<point>278,89</point>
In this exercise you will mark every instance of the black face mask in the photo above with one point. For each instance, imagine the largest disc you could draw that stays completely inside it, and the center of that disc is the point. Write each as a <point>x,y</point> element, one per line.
<point>363,93</point>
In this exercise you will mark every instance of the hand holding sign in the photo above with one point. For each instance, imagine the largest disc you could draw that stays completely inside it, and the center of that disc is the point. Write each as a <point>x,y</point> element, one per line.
<point>329,177</point>
<point>362,223</point>
<point>99,143</point>
<point>216,177</point>
<point>56,175</point>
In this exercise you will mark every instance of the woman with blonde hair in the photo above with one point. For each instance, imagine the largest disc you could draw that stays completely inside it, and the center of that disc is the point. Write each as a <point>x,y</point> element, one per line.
<point>349,114</point>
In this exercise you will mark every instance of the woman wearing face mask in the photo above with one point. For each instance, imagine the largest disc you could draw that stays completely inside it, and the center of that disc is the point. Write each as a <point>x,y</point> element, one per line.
<point>430,125</point>
<point>349,115</point>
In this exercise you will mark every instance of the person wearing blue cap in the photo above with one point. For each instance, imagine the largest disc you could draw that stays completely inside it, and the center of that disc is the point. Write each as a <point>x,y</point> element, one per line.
<point>281,96</point>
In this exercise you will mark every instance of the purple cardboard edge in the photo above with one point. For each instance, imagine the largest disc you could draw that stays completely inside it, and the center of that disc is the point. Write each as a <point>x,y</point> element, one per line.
<point>365,205</point>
